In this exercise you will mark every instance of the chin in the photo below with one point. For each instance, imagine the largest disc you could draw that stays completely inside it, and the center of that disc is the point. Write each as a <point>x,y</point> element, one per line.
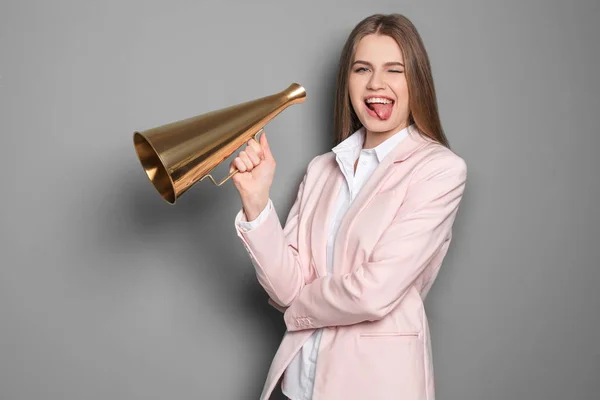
<point>380,126</point>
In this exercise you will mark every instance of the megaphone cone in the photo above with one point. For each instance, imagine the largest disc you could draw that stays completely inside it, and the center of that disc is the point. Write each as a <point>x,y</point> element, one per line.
<point>175,156</point>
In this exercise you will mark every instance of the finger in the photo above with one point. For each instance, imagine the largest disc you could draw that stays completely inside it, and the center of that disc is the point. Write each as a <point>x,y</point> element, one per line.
<point>265,145</point>
<point>253,155</point>
<point>253,144</point>
<point>244,156</point>
<point>239,164</point>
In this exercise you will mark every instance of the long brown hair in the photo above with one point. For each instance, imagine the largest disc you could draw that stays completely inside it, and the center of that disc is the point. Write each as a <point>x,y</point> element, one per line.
<point>422,99</point>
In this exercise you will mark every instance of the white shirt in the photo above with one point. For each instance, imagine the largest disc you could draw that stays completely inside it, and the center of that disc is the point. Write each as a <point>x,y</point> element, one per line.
<point>300,374</point>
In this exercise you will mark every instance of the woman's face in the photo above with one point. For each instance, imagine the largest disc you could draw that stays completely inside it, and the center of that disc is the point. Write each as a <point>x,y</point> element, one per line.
<point>378,87</point>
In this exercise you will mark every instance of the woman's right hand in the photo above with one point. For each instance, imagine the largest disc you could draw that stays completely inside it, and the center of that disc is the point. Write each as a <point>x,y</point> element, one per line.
<point>256,167</point>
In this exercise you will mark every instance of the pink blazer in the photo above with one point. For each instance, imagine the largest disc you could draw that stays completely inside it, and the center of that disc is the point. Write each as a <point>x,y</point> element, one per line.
<point>389,249</point>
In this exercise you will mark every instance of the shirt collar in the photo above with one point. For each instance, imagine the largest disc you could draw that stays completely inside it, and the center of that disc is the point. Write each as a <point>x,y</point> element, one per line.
<point>353,144</point>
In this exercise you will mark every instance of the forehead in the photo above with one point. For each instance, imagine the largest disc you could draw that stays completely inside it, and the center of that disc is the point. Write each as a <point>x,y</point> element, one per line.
<point>378,49</point>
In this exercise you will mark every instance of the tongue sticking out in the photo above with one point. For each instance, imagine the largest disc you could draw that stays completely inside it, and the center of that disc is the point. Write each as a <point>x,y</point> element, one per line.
<point>383,110</point>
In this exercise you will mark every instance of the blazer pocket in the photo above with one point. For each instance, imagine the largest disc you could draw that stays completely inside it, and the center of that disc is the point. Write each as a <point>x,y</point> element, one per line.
<point>414,334</point>
<point>393,361</point>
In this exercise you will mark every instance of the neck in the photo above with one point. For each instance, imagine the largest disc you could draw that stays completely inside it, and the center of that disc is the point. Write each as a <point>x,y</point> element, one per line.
<point>374,139</point>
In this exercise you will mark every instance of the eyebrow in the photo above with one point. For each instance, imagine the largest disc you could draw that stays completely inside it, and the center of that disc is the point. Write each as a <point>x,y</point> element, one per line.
<point>387,64</point>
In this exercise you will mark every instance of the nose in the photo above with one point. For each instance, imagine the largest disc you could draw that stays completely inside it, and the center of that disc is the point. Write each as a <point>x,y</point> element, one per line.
<point>376,81</point>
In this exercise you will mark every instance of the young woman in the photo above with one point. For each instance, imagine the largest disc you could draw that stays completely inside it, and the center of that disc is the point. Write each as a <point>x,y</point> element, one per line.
<point>366,236</point>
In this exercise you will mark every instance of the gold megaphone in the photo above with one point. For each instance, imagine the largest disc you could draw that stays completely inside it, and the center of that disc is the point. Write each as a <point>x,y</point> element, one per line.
<point>177,155</point>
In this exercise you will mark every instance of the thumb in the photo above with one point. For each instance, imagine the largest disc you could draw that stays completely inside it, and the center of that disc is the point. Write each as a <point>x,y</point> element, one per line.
<point>265,145</point>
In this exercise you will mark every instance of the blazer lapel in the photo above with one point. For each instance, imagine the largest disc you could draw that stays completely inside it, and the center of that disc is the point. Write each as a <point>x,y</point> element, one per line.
<point>411,143</point>
<point>323,213</point>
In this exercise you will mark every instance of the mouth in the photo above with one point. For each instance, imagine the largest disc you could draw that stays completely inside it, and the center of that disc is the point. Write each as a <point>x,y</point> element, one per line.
<point>379,107</point>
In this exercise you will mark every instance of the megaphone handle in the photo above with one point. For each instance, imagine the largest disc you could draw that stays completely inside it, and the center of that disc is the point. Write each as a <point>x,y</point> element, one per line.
<point>255,137</point>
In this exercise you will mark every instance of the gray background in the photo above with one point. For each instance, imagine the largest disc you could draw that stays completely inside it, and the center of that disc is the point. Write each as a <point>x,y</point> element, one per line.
<point>107,292</point>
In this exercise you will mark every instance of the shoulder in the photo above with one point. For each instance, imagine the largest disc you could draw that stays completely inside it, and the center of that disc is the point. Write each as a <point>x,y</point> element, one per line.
<point>321,162</point>
<point>435,159</point>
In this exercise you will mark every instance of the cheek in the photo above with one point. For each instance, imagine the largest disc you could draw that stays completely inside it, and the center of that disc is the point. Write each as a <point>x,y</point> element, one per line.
<point>353,88</point>
<point>401,90</point>
<point>355,94</point>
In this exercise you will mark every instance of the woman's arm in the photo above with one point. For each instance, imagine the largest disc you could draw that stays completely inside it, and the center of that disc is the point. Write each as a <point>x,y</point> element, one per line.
<point>418,231</point>
<point>273,250</point>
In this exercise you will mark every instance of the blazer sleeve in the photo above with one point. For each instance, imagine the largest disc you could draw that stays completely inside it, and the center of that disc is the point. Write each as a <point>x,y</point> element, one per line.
<point>418,231</point>
<point>242,221</point>
<point>273,250</point>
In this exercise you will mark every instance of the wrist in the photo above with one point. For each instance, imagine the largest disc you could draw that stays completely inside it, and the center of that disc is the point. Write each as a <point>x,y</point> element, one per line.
<point>253,206</point>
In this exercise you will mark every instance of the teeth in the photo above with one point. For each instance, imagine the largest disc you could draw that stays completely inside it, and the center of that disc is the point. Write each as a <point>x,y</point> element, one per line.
<point>378,100</point>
